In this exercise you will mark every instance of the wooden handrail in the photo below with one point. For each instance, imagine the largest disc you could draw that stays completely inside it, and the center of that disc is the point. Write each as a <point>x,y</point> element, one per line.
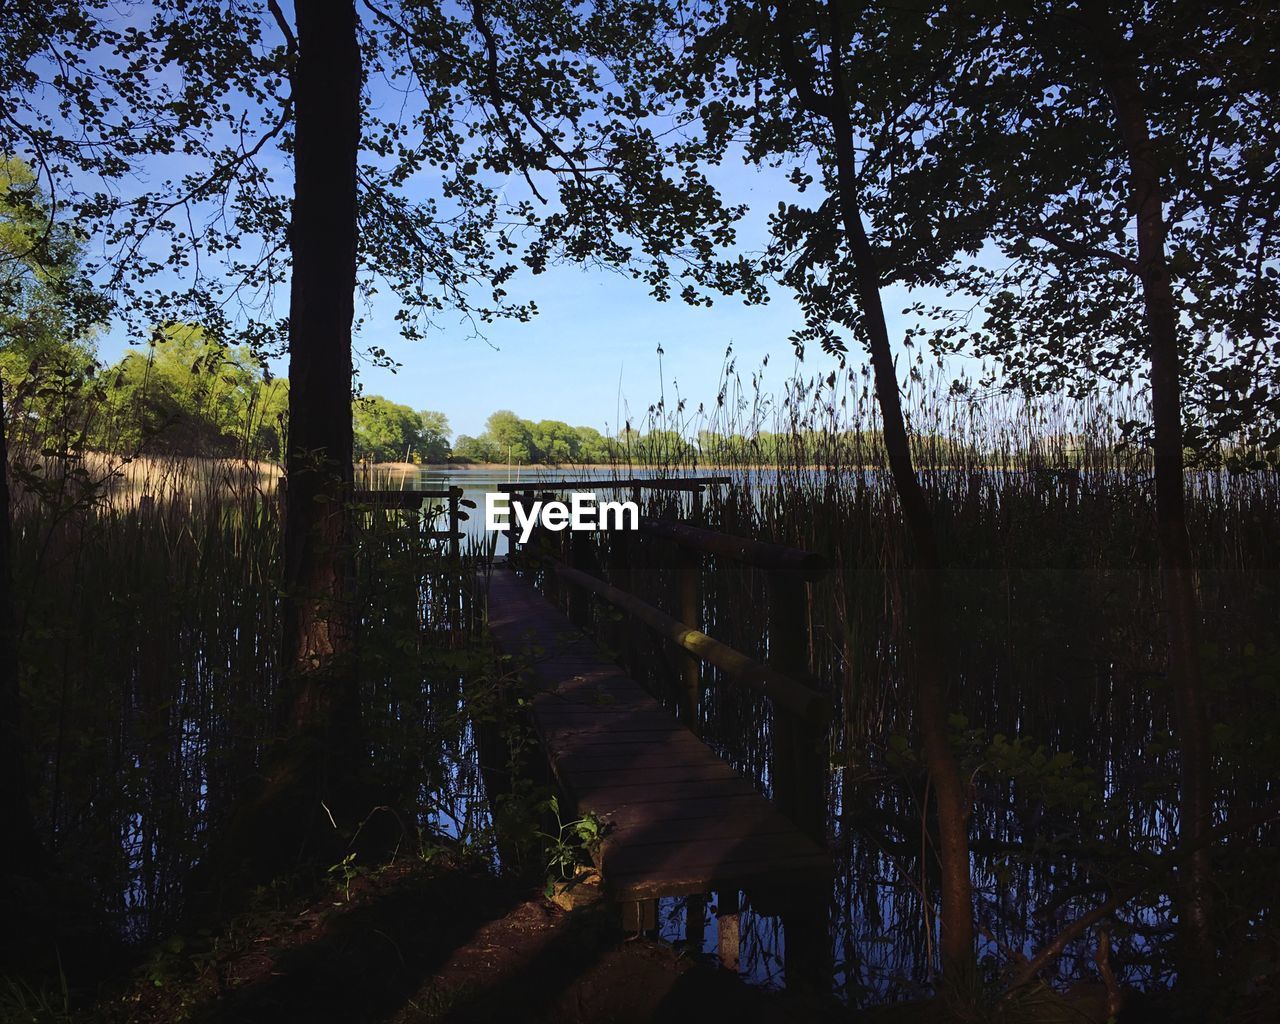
<point>777,558</point>
<point>785,692</point>
<point>409,500</point>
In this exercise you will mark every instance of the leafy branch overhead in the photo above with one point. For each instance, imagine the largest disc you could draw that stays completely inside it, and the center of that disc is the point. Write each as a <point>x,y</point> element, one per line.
<point>497,138</point>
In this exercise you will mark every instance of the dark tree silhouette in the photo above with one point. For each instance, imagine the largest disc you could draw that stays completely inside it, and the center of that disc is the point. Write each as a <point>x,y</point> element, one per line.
<point>20,853</point>
<point>310,773</point>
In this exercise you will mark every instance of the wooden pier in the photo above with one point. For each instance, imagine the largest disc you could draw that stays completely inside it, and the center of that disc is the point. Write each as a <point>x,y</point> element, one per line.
<point>679,820</point>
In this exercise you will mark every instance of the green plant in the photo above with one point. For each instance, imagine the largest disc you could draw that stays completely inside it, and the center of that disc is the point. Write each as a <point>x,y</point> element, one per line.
<point>346,871</point>
<point>573,843</point>
<point>22,1002</point>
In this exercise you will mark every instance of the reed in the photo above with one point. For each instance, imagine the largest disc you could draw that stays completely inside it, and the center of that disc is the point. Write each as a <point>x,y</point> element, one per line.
<point>147,595</point>
<point>1056,650</point>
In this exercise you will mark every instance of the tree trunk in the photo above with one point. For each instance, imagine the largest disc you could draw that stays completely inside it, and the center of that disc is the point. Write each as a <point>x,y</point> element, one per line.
<point>1195,878</point>
<point>318,610</point>
<point>21,852</point>
<point>285,820</point>
<point>924,610</point>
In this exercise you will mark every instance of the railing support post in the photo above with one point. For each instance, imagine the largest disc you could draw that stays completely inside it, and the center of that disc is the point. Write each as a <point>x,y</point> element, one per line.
<point>688,578</point>
<point>799,747</point>
<point>800,763</point>
<point>579,600</point>
<point>695,922</point>
<point>620,548</point>
<point>728,929</point>
<point>513,533</point>
<point>454,539</point>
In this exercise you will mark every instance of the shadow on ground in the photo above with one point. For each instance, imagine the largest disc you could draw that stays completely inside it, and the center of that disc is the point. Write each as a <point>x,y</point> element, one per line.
<point>416,944</point>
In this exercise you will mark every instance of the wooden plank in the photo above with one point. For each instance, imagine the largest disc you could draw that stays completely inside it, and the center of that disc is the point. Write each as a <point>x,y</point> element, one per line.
<point>669,749</point>
<point>657,749</point>
<point>603,796</point>
<point>716,808</point>
<point>680,821</point>
<point>636,827</point>
<point>646,763</point>
<point>801,872</point>
<point>570,737</point>
<point>573,710</point>
<point>705,854</point>
<point>587,779</point>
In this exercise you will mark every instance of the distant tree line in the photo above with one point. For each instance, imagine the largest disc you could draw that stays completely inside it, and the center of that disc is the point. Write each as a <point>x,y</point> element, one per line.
<point>185,393</point>
<point>508,438</point>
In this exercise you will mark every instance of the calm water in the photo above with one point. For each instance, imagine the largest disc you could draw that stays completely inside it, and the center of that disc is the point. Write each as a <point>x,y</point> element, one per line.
<point>1099,700</point>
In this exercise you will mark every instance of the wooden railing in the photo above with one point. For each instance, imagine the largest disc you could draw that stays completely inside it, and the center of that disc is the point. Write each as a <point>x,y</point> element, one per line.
<point>694,485</point>
<point>801,710</point>
<point>414,500</point>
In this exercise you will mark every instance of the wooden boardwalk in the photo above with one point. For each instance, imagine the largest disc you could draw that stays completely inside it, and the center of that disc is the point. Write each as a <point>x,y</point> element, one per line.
<point>679,820</point>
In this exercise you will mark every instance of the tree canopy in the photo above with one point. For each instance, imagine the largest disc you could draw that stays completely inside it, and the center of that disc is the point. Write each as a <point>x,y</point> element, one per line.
<point>388,432</point>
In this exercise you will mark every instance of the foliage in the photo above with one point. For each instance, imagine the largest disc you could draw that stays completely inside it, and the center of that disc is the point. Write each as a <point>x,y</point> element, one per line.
<point>1063,305</point>
<point>23,1003</point>
<point>345,872</point>
<point>1059,675</point>
<point>508,437</point>
<point>200,92</point>
<point>195,395</point>
<point>47,308</point>
<point>46,300</point>
<point>387,432</point>
<point>571,845</point>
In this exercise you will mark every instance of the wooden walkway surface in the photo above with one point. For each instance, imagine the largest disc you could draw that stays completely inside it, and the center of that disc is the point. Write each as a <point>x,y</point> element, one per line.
<point>679,820</point>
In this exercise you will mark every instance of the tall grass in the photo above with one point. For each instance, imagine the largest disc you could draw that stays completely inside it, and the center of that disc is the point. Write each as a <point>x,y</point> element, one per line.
<point>1055,650</point>
<point>147,597</point>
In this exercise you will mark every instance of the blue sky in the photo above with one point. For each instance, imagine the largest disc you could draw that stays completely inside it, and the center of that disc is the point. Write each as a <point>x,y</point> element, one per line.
<point>590,356</point>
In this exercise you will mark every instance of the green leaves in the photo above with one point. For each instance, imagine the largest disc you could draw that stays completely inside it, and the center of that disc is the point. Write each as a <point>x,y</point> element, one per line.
<point>387,432</point>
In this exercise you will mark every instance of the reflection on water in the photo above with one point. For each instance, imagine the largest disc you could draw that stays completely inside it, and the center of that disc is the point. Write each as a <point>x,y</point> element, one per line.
<point>1060,710</point>
<point>1055,650</point>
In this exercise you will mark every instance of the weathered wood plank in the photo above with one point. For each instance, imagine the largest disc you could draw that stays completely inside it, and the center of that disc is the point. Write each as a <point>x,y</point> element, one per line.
<point>777,873</point>
<point>679,820</point>
<point>601,796</point>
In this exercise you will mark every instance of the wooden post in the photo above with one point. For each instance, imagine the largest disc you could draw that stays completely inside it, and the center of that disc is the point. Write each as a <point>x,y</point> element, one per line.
<point>544,542</point>
<point>728,930</point>
<point>639,915</point>
<point>620,547</point>
<point>513,535</point>
<point>695,922</point>
<point>800,765</point>
<point>807,960</point>
<point>454,540</point>
<point>688,578</point>
<point>799,747</point>
<point>580,557</point>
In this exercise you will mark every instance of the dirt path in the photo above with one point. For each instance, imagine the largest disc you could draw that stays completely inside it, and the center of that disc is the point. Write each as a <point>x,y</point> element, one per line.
<point>416,944</point>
